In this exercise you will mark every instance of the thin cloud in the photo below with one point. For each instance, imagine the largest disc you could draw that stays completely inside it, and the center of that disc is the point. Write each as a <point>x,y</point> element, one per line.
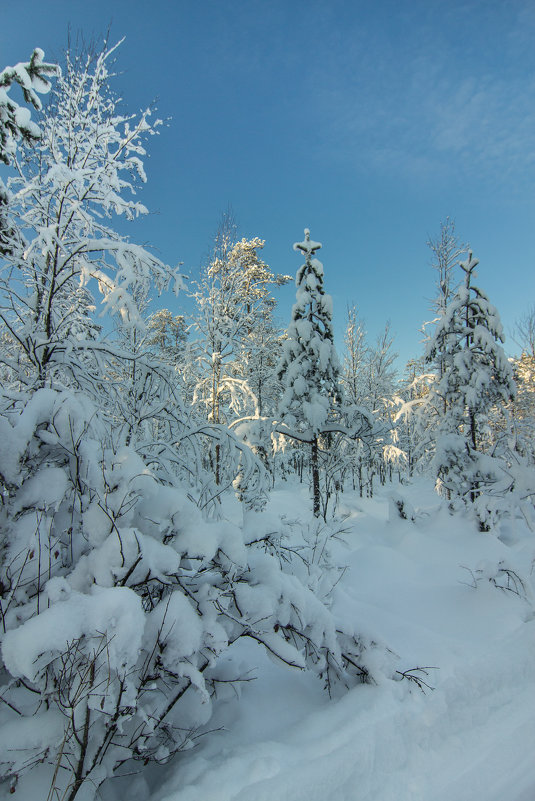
<point>431,110</point>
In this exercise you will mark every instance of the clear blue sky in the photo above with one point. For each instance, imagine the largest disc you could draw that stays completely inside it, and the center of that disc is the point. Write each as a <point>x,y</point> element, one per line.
<point>368,122</point>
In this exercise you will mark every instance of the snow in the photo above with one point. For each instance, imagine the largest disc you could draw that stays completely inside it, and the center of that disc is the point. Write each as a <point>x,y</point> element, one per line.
<point>430,587</point>
<point>115,610</point>
<point>470,737</point>
<point>175,615</point>
<point>47,488</point>
<point>307,246</point>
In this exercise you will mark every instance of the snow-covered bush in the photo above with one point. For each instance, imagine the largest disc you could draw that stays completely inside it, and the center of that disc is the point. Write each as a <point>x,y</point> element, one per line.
<point>118,599</point>
<point>504,576</point>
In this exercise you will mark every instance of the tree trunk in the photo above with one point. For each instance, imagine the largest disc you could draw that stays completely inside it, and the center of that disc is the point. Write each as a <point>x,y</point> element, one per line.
<point>315,477</point>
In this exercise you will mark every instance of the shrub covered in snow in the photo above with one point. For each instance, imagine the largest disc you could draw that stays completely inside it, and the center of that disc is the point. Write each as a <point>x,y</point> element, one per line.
<point>118,599</point>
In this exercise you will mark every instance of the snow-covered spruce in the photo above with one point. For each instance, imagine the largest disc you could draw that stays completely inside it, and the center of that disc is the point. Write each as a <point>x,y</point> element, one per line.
<point>475,377</point>
<point>309,368</point>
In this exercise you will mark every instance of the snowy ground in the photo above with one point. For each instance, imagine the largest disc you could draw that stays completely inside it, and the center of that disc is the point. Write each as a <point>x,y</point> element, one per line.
<point>471,738</point>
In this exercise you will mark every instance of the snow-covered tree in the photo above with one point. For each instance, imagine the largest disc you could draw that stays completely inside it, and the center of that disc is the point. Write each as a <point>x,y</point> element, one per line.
<point>447,250</point>
<point>355,456</point>
<point>523,408</point>
<point>167,334</point>
<point>309,368</point>
<point>259,354</point>
<point>234,293</point>
<point>235,327</point>
<point>355,355</point>
<point>411,424</point>
<point>476,378</point>
<point>379,388</point>
<point>524,371</point>
<point>420,412</point>
<point>379,373</point>
<point>15,121</point>
<point>68,187</point>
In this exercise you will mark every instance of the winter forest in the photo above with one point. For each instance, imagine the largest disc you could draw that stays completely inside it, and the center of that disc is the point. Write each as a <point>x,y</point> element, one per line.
<point>211,523</point>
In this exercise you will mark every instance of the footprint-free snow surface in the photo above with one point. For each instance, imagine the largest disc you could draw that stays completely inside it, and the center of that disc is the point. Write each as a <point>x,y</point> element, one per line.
<point>427,589</point>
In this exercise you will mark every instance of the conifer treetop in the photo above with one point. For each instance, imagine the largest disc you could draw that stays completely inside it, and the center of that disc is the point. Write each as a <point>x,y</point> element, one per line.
<point>469,265</point>
<point>308,247</point>
<point>309,366</point>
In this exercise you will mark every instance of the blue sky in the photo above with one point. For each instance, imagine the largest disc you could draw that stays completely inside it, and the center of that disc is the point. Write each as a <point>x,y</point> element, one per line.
<point>368,122</point>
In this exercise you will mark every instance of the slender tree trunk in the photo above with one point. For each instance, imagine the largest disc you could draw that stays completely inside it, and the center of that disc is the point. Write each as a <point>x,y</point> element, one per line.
<point>315,477</point>
<point>473,438</point>
<point>216,374</point>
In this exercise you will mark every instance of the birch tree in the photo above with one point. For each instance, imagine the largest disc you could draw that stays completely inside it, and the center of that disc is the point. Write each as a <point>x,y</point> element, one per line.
<point>76,179</point>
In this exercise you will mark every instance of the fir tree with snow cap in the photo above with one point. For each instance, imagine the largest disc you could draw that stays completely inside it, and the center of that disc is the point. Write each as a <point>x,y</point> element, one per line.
<point>476,377</point>
<point>309,367</point>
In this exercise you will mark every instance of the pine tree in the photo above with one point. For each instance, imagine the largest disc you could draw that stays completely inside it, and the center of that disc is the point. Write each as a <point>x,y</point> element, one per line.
<point>309,368</point>
<point>233,298</point>
<point>167,335</point>
<point>476,377</point>
<point>234,303</point>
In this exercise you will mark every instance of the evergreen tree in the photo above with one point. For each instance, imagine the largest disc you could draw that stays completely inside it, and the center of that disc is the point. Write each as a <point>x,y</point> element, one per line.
<point>477,377</point>
<point>233,299</point>
<point>309,368</point>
